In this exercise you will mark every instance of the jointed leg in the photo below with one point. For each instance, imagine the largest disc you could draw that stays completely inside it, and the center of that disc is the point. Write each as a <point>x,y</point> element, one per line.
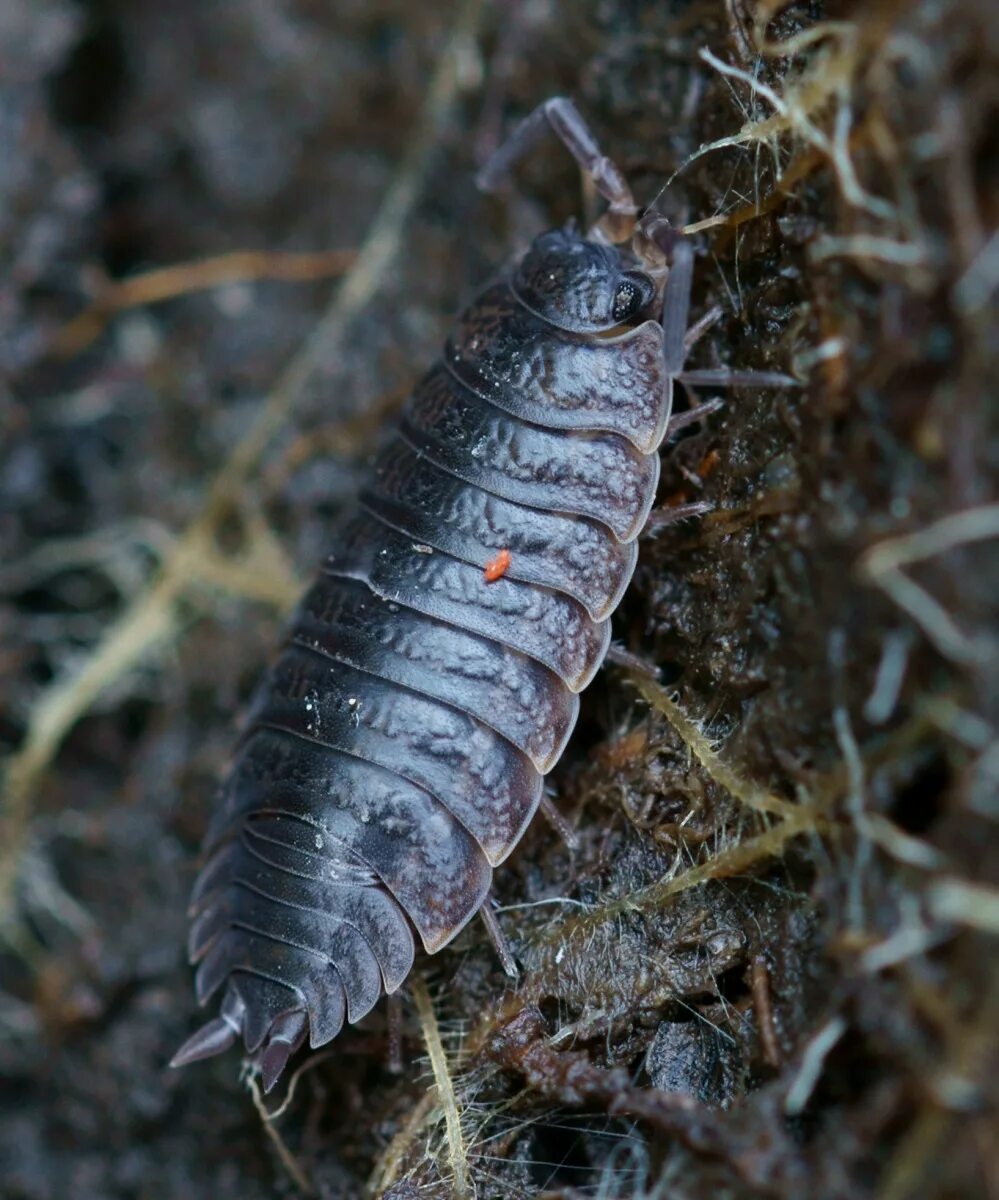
<point>498,939</point>
<point>679,255</point>
<point>701,326</point>
<point>560,116</point>
<point>558,822</point>
<point>681,420</point>
<point>720,377</point>
<point>393,1020</point>
<point>677,337</point>
<point>621,656</point>
<point>663,518</point>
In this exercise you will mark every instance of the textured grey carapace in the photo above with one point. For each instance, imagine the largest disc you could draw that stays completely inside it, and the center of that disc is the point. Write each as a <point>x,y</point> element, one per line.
<point>395,753</point>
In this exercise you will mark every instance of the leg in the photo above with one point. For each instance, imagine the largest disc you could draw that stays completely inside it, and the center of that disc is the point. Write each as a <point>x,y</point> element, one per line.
<point>723,378</point>
<point>677,338</point>
<point>560,116</point>
<point>679,255</point>
<point>620,656</point>
<point>662,518</point>
<point>764,1013</point>
<point>701,326</point>
<point>697,413</point>
<point>498,940</point>
<point>393,1015</point>
<point>558,822</point>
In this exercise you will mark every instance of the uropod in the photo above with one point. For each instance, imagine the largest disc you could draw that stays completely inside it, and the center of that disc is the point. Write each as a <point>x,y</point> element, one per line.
<point>429,679</point>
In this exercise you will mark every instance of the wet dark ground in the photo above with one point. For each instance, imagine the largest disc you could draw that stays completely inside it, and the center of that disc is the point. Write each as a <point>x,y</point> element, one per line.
<point>768,968</point>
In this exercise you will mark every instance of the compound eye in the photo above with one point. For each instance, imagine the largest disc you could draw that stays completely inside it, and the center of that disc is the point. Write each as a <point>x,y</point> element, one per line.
<point>628,299</point>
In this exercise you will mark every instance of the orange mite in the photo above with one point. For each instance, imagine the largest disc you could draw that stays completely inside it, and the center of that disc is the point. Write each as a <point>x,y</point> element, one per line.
<point>497,567</point>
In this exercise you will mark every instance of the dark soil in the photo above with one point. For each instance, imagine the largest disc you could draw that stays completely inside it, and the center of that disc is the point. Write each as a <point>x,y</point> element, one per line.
<point>768,967</point>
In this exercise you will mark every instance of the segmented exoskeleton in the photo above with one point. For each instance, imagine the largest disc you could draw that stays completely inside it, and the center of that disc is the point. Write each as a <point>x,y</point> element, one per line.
<point>396,752</point>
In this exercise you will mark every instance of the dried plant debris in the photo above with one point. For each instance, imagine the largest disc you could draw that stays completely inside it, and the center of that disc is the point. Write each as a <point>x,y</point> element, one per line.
<point>766,964</point>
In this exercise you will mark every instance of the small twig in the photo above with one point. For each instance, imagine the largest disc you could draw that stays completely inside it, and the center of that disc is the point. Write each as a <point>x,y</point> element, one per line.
<point>748,793</point>
<point>912,938</point>
<point>167,283</point>
<point>301,1180</point>
<point>972,904</point>
<point>902,846</point>
<point>812,1062</point>
<point>147,622</point>
<point>445,1087</point>
<point>736,860</point>
<point>707,223</point>
<point>386,1170</point>
<point>760,979</point>
<point>97,549</point>
<point>869,246</point>
<point>882,563</point>
<point>880,704</point>
<point>855,807</point>
<point>791,117</point>
<point>308,1065</point>
<point>980,281</point>
<point>970,1050</point>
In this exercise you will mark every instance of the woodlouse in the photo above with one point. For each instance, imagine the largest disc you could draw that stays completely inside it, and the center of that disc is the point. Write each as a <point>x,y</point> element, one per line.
<point>430,677</point>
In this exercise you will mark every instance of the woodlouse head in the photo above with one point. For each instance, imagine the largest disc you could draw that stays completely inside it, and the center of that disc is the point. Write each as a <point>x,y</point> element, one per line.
<point>581,286</point>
